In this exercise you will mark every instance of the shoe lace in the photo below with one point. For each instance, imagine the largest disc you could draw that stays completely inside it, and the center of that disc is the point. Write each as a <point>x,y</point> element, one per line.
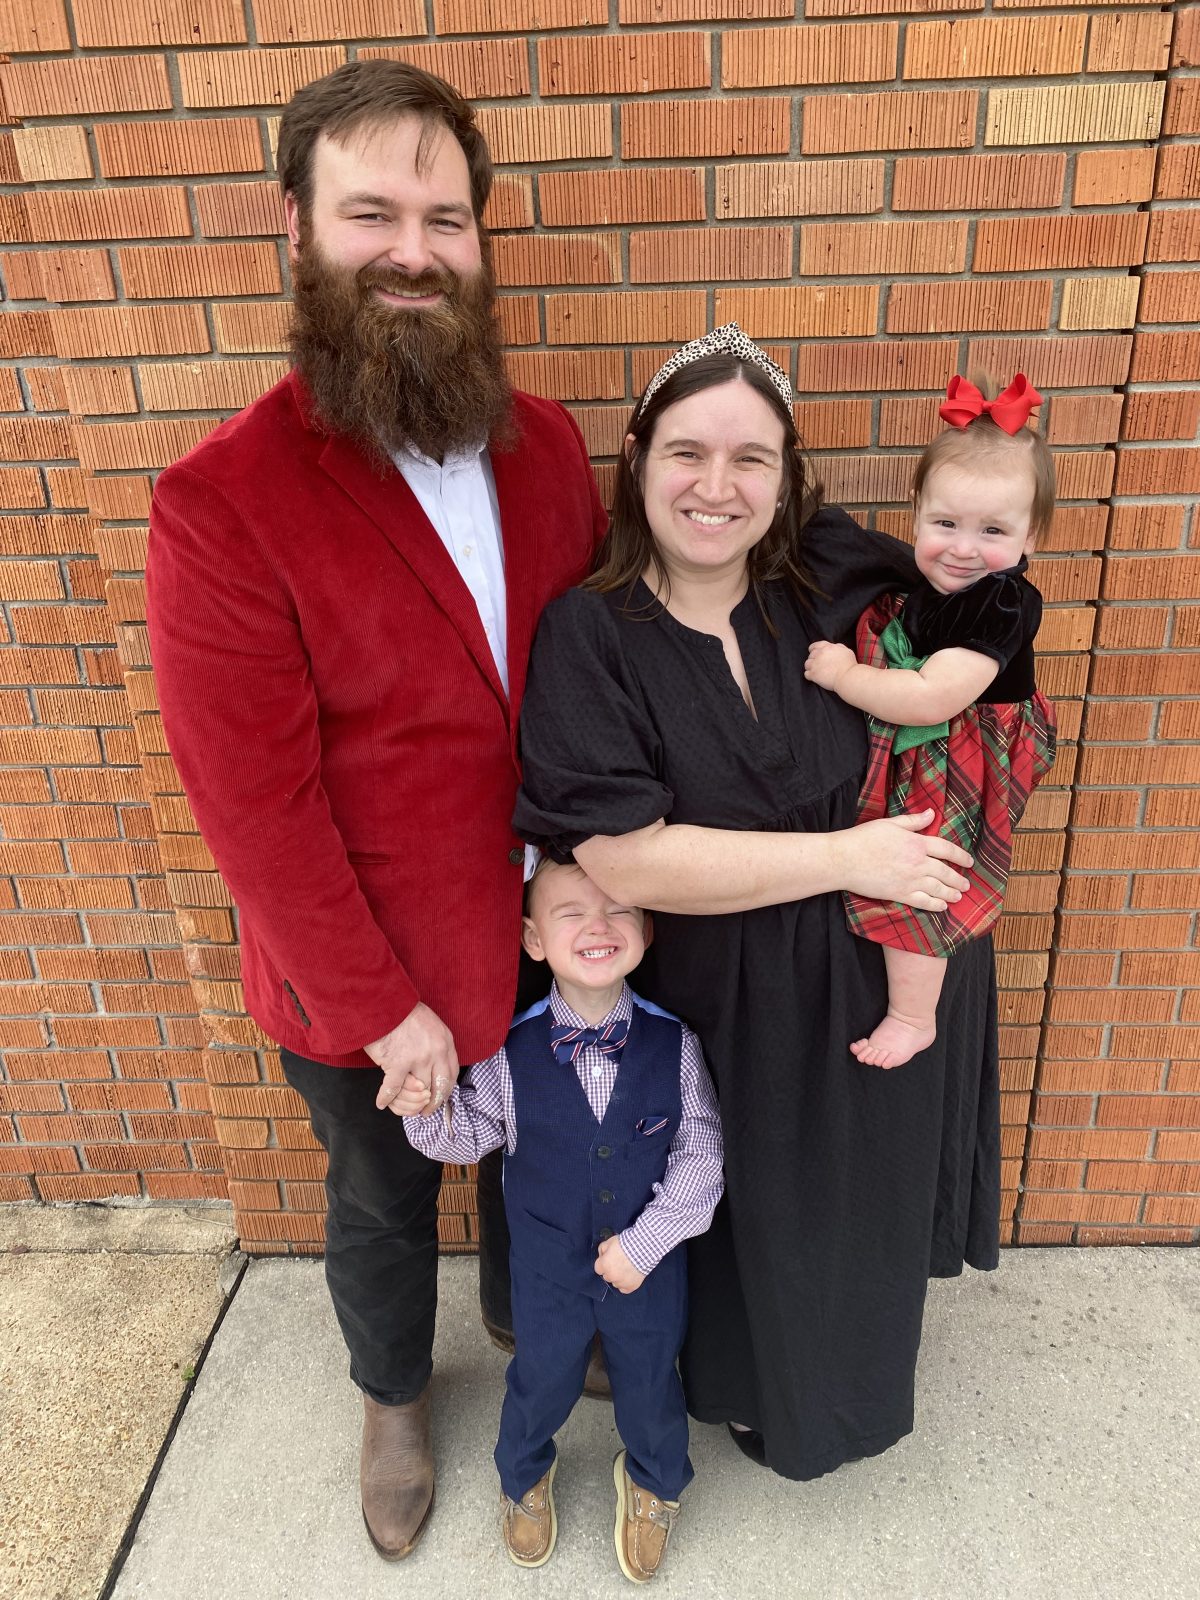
<point>663,1516</point>
<point>526,1506</point>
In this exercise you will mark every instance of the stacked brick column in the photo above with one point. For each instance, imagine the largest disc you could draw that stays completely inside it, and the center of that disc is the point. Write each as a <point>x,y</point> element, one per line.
<point>882,192</point>
<point>1114,1123</point>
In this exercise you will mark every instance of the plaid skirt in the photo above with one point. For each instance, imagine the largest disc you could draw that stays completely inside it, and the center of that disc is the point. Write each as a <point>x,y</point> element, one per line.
<point>977,779</point>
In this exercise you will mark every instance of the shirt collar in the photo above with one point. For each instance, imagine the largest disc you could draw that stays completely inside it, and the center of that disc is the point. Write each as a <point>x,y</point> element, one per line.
<point>453,461</point>
<point>568,1018</point>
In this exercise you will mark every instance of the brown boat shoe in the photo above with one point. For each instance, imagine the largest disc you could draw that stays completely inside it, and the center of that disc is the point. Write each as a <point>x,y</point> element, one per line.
<point>529,1526</point>
<point>396,1474</point>
<point>643,1526</point>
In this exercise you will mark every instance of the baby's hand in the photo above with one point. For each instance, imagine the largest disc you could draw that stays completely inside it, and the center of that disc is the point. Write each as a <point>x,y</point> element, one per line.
<point>615,1267</point>
<point>412,1098</point>
<point>827,662</point>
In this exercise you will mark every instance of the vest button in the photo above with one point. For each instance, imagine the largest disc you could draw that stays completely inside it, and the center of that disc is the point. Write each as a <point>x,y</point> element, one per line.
<point>605,1196</point>
<point>516,856</point>
<point>604,1152</point>
<point>606,1233</point>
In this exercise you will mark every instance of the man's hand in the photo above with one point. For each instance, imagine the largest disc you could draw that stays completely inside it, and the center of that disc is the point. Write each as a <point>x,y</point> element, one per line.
<point>615,1267</point>
<point>421,1046</point>
<point>827,662</point>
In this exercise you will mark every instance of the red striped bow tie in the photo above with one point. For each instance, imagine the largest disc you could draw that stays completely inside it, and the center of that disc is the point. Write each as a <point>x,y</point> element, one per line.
<point>567,1042</point>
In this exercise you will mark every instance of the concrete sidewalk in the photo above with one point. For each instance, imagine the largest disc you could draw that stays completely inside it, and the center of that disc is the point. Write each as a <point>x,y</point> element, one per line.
<point>102,1311</point>
<point>1057,1454</point>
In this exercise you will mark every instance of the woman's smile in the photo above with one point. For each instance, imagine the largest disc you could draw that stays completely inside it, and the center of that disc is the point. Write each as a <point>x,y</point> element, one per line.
<point>712,479</point>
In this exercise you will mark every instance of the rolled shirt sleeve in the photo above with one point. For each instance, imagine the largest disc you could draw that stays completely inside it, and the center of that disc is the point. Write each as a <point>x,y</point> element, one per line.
<point>473,1122</point>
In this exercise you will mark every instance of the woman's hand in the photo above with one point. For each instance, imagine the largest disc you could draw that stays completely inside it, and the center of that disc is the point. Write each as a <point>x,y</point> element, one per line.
<point>891,859</point>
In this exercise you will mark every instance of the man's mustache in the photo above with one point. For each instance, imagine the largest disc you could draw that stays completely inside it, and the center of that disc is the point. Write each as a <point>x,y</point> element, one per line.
<point>415,284</point>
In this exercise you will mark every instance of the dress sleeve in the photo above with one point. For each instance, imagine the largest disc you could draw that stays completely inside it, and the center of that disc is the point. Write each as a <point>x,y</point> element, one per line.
<point>996,617</point>
<point>591,756</point>
<point>850,566</point>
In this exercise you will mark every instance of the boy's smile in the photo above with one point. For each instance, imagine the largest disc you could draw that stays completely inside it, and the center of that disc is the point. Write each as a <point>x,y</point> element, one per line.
<point>589,941</point>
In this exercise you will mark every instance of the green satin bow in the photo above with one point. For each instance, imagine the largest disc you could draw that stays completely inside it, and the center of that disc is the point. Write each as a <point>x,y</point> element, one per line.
<point>897,647</point>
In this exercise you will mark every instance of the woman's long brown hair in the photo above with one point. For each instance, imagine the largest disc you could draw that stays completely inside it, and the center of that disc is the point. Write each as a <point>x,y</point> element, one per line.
<point>629,548</point>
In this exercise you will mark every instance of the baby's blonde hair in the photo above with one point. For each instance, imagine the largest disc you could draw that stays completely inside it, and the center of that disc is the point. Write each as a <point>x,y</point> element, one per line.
<point>981,444</point>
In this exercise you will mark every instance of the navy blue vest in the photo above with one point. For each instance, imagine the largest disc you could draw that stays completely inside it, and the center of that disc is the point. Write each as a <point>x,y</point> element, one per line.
<point>573,1181</point>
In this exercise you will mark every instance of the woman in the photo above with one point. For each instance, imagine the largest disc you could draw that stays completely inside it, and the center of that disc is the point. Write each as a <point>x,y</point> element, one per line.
<point>672,743</point>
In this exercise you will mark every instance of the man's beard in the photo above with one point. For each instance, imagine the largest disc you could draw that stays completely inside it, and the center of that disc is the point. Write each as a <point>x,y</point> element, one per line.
<point>431,378</point>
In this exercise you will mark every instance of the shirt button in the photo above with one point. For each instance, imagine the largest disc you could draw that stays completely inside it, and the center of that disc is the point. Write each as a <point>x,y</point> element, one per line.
<point>604,1152</point>
<point>468,550</point>
<point>516,856</point>
<point>605,1196</point>
<point>596,1071</point>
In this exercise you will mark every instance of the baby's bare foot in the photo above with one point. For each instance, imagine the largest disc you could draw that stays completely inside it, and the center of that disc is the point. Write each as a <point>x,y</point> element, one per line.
<point>893,1043</point>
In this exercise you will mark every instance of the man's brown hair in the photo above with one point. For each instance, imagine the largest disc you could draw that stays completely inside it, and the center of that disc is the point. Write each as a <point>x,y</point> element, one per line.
<point>371,94</point>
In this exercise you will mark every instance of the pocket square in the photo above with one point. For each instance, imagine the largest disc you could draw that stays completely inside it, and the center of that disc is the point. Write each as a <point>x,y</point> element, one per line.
<point>649,1125</point>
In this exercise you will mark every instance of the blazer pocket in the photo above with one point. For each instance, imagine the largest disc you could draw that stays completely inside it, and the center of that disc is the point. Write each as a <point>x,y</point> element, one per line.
<point>367,858</point>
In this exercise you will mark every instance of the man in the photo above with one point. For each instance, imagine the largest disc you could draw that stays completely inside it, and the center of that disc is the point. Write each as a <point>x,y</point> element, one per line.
<point>343,586</point>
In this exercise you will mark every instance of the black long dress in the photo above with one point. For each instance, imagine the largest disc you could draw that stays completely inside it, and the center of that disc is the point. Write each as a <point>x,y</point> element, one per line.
<point>847,1186</point>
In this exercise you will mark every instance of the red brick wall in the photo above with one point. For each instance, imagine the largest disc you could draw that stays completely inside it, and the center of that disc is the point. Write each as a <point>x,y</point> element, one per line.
<point>880,191</point>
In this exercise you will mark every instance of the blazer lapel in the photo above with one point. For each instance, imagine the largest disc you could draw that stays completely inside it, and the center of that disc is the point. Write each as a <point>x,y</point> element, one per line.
<point>519,527</point>
<point>389,502</point>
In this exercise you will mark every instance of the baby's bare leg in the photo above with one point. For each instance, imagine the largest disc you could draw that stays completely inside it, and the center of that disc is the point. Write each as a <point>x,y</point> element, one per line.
<point>914,985</point>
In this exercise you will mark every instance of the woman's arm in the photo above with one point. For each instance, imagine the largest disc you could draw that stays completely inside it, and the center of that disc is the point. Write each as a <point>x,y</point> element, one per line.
<point>708,871</point>
<point>948,683</point>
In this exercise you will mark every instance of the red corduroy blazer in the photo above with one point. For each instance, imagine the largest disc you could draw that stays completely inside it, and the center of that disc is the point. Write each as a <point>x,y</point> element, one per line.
<point>333,707</point>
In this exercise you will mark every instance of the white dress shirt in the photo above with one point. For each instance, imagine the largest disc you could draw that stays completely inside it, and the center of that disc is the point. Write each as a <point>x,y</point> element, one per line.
<point>458,495</point>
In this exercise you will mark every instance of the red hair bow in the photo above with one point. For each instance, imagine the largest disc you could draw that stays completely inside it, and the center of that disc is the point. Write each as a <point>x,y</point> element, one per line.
<point>1009,410</point>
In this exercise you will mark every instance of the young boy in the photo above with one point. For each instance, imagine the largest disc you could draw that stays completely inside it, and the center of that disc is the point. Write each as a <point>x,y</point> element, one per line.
<point>612,1159</point>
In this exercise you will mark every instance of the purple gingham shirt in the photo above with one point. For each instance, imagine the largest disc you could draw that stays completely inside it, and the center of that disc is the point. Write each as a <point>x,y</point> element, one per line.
<point>480,1116</point>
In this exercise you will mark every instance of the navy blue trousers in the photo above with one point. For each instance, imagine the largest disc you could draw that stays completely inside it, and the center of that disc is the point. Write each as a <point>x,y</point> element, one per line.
<point>641,1334</point>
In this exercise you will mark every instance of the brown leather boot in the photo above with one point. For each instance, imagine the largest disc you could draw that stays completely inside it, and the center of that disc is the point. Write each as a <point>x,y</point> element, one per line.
<point>502,1338</point>
<point>396,1474</point>
<point>595,1382</point>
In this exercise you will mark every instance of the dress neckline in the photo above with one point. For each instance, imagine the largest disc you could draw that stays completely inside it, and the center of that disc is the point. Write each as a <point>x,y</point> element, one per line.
<point>696,635</point>
<point>763,725</point>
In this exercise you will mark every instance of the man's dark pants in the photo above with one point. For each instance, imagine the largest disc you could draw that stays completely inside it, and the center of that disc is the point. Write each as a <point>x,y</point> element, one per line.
<point>381,1226</point>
